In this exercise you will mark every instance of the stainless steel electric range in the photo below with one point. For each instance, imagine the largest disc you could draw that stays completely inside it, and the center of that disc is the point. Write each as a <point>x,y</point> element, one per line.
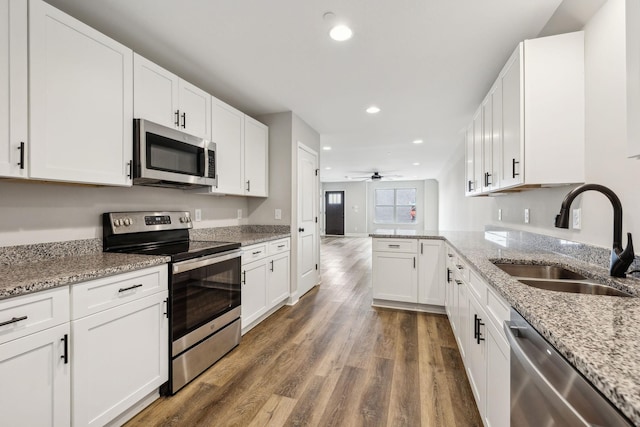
<point>204,287</point>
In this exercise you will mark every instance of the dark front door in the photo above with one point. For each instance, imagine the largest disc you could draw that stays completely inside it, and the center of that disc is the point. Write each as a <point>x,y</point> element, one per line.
<point>334,212</point>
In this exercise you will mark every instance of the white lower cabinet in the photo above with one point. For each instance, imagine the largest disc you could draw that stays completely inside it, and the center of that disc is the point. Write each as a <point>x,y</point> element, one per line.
<point>119,356</point>
<point>36,379</point>
<point>409,271</point>
<point>476,314</point>
<point>265,280</point>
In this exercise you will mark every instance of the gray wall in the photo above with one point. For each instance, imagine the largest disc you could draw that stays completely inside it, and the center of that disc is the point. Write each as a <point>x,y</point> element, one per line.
<point>605,153</point>
<point>355,205</point>
<point>34,212</point>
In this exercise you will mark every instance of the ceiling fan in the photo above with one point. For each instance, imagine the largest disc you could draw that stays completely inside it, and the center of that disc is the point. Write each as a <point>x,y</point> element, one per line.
<point>375,176</point>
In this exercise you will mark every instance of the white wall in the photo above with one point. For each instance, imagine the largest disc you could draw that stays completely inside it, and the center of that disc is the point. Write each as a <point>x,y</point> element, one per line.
<point>355,205</point>
<point>605,153</point>
<point>32,212</point>
<point>457,212</point>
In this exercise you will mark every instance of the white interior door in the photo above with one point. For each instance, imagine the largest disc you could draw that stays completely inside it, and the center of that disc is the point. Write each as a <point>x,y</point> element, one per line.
<point>307,216</point>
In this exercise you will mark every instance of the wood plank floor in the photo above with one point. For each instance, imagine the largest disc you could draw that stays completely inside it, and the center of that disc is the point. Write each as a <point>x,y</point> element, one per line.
<point>331,360</point>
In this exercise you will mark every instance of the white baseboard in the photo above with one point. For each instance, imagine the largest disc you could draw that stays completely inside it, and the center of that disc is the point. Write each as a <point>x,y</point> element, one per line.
<point>425,308</point>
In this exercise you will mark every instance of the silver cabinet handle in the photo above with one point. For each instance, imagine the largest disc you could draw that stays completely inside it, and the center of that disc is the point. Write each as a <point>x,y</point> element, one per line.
<point>14,320</point>
<point>394,246</point>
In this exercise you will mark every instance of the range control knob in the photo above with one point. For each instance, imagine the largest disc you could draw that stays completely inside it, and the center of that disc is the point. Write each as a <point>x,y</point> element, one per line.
<point>182,219</point>
<point>127,221</point>
<point>117,222</point>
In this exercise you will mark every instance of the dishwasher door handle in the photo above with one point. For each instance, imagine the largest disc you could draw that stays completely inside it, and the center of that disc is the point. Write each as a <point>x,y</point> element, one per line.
<point>554,396</point>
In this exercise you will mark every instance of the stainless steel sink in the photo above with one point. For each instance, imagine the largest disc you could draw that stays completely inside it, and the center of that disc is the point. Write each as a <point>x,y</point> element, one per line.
<point>539,271</point>
<point>554,278</point>
<point>574,287</point>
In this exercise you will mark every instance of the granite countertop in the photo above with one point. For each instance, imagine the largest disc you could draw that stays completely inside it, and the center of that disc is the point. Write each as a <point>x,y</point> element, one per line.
<point>597,334</point>
<point>27,277</point>
<point>245,235</point>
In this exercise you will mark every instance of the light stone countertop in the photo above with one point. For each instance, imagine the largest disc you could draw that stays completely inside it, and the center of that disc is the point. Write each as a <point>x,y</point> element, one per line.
<point>597,334</point>
<point>27,277</point>
<point>245,235</point>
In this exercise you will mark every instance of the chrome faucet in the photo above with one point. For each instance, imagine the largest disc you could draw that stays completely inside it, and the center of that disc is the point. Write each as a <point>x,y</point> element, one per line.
<point>620,259</point>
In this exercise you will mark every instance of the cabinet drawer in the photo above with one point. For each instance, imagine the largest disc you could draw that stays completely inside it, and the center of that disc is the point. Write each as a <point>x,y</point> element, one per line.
<point>38,311</point>
<point>497,309</point>
<point>461,269</point>
<point>396,245</point>
<point>478,288</point>
<point>254,253</point>
<point>278,246</point>
<point>97,295</point>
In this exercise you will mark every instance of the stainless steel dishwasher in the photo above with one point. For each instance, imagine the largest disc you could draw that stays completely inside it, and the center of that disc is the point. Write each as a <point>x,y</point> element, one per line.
<point>546,390</point>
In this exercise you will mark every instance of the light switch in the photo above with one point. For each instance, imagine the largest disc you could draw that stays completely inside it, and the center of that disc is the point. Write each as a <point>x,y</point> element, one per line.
<point>577,218</point>
<point>198,215</point>
<point>239,213</point>
<point>526,215</point>
<point>278,214</point>
<point>499,214</point>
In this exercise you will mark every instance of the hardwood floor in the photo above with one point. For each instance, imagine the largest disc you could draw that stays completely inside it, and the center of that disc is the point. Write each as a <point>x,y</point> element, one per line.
<point>331,360</point>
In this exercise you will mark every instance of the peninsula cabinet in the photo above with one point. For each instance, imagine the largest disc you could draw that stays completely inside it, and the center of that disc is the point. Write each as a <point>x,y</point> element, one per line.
<point>164,98</point>
<point>80,101</point>
<point>409,273</point>
<point>13,88</point>
<point>34,362</point>
<point>537,115</point>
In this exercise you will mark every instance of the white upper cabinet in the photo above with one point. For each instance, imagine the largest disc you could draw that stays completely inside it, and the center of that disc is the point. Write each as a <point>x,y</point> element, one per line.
<point>538,115</point>
<point>227,131</point>
<point>13,88</point>
<point>80,101</point>
<point>164,98</point>
<point>632,15</point>
<point>469,161</point>
<point>256,158</point>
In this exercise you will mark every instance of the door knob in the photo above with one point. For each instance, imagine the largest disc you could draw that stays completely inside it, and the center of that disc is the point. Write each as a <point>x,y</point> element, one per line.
<point>301,229</point>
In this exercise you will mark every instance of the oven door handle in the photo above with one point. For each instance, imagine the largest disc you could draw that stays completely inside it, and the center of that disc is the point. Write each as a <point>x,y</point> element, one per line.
<point>554,396</point>
<point>192,264</point>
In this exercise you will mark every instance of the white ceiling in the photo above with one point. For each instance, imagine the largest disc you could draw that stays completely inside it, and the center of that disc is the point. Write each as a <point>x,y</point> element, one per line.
<point>426,63</point>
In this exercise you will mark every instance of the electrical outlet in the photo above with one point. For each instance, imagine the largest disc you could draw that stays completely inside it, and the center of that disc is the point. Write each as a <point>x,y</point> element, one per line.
<point>239,213</point>
<point>198,215</point>
<point>526,215</point>
<point>577,218</point>
<point>278,214</point>
<point>499,214</point>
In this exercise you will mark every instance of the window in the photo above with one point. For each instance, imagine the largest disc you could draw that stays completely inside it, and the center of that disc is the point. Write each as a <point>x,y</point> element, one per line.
<point>334,198</point>
<point>395,205</point>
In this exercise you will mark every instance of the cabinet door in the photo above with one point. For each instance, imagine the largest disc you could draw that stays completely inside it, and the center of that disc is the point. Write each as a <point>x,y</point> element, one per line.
<point>395,276</point>
<point>487,142</point>
<point>469,162</point>
<point>36,379</point>
<point>431,283</point>
<point>227,131</point>
<point>512,121</point>
<point>256,158</point>
<point>476,353</point>
<point>278,284</point>
<point>496,136</point>
<point>195,110</point>
<point>498,381</point>
<point>254,291</point>
<point>119,356</point>
<point>155,93</point>
<point>13,87</point>
<point>81,101</point>
<point>478,136</point>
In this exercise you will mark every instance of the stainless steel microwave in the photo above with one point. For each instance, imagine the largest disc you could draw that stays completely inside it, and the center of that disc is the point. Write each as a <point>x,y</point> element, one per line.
<point>166,157</point>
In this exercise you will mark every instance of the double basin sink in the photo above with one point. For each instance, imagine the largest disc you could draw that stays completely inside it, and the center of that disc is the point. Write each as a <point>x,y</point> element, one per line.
<point>554,278</point>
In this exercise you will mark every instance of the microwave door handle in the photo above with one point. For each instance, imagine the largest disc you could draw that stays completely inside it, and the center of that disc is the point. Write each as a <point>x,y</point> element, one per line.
<point>203,162</point>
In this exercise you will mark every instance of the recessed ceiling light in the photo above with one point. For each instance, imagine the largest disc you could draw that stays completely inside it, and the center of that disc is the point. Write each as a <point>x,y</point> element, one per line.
<point>326,148</point>
<point>418,141</point>
<point>373,110</point>
<point>340,33</point>
<point>416,164</point>
<point>328,168</point>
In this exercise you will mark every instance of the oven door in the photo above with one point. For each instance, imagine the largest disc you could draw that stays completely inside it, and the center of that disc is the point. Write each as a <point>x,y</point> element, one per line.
<point>204,291</point>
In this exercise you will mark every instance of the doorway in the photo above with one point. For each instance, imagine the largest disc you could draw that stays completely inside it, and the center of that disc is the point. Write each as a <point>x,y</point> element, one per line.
<point>308,228</point>
<point>334,213</point>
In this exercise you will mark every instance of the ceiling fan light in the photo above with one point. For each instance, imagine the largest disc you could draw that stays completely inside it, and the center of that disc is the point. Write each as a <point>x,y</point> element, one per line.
<point>418,141</point>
